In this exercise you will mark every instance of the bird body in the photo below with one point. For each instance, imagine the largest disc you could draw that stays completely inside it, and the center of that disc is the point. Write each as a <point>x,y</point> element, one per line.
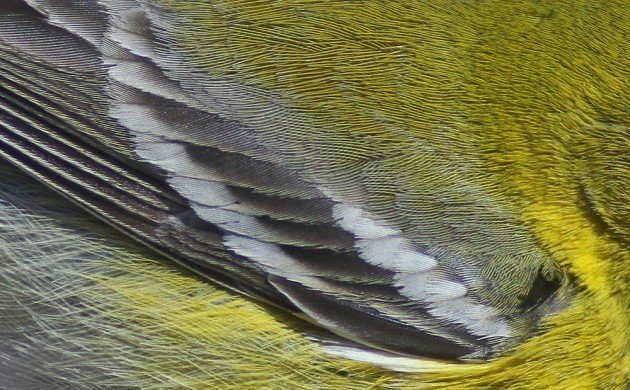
<point>443,185</point>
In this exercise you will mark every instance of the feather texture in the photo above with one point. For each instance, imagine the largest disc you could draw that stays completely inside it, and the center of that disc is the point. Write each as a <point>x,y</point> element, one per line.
<point>257,153</point>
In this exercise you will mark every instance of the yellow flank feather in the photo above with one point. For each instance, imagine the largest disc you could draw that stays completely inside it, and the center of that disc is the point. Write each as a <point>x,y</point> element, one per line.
<point>529,99</point>
<point>201,337</point>
<point>146,324</point>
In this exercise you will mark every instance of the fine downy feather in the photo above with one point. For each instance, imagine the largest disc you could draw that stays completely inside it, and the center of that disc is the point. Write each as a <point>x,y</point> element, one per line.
<point>99,100</point>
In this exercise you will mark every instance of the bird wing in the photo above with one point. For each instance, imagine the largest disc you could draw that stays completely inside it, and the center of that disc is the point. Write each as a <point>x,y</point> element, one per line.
<point>285,150</point>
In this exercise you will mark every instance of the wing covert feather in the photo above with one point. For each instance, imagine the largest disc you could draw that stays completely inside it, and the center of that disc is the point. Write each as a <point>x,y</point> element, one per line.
<point>309,201</point>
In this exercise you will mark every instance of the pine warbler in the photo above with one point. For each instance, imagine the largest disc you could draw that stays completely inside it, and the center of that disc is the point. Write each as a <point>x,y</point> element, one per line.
<point>322,194</point>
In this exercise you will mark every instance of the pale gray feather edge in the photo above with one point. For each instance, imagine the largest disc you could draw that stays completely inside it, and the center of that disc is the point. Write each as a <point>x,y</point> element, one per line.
<point>261,213</point>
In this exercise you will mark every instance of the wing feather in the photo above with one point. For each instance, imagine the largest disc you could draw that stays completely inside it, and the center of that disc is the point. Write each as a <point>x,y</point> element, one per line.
<point>98,99</point>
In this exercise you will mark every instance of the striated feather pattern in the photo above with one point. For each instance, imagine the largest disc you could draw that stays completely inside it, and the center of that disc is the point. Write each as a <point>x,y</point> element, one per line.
<point>255,153</point>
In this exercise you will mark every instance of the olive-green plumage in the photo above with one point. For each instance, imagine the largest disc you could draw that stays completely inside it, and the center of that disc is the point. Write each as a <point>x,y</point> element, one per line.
<point>443,181</point>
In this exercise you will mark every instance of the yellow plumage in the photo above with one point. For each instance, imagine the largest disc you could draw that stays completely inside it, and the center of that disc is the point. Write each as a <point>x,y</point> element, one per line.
<point>439,116</point>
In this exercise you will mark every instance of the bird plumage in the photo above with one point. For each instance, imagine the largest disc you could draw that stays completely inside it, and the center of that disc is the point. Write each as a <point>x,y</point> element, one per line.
<point>414,177</point>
